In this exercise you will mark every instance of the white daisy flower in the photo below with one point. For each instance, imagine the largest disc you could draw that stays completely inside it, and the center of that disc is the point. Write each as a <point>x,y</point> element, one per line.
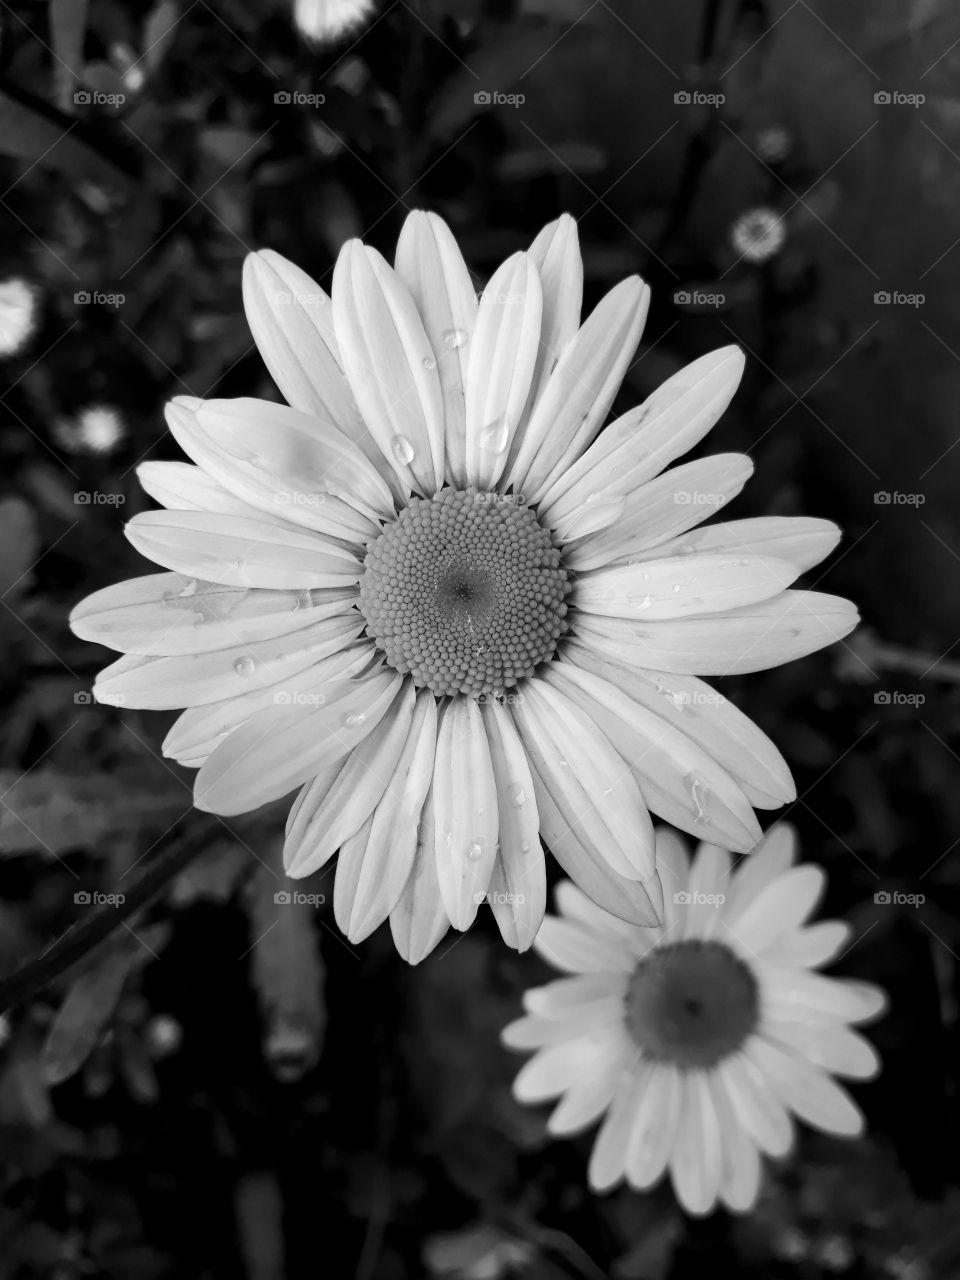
<point>323,20</point>
<point>18,314</point>
<point>759,234</point>
<point>98,428</point>
<point>433,596</point>
<point>698,1042</point>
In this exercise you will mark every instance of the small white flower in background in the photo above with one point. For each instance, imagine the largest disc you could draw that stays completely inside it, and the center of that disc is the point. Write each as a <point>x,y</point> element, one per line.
<point>18,314</point>
<point>433,595</point>
<point>758,234</point>
<point>698,1042</point>
<point>322,20</point>
<point>774,144</point>
<point>98,428</point>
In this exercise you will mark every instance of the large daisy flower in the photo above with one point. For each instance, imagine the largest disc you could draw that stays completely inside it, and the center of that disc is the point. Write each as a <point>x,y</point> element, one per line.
<point>431,594</point>
<point>697,1042</point>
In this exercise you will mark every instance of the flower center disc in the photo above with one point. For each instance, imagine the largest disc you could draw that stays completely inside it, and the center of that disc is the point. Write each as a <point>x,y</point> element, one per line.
<point>465,592</point>
<point>691,1003</point>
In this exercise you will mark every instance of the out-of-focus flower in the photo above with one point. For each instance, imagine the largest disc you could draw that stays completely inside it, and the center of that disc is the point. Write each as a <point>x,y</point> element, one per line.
<point>99,428</point>
<point>698,1042</point>
<point>759,234</point>
<point>163,1035</point>
<point>324,20</point>
<point>18,314</point>
<point>774,144</point>
<point>428,594</point>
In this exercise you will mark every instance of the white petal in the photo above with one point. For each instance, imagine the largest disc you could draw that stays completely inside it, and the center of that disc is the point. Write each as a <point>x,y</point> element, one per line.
<point>518,885</point>
<point>707,889</point>
<point>778,908</point>
<point>800,993</point>
<point>535,1032</point>
<point>189,680</point>
<point>677,778</point>
<point>654,513</point>
<point>556,255</point>
<point>551,1071</point>
<point>772,857</point>
<point>183,487</point>
<point>673,864</point>
<point>752,638</point>
<point>169,613</point>
<point>838,1050</point>
<point>740,1180</point>
<point>653,1129</point>
<point>281,747</point>
<point>577,397</point>
<point>637,446</point>
<point>576,949</point>
<point>466,813</point>
<point>696,1164</point>
<point>802,540</point>
<point>587,780</point>
<point>575,905</point>
<point>808,948</point>
<point>431,265</point>
<point>384,850</point>
<point>391,365</point>
<point>681,587</point>
<point>806,1090</point>
<point>241,551</point>
<point>590,1096</point>
<point>609,1156</point>
<point>597,996</point>
<point>502,359</point>
<point>419,920</point>
<point>755,1104</point>
<point>329,815</point>
<point>706,716</point>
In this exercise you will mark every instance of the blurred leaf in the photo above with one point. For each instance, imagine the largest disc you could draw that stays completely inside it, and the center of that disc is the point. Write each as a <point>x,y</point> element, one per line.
<point>83,1017</point>
<point>259,1216</point>
<point>68,26</point>
<point>19,544</point>
<point>481,1252</point>
<point>47,142</point>
<point>158,32</point>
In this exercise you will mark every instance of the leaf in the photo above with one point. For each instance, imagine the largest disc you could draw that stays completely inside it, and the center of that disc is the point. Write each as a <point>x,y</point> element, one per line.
<point>158,32</point>
<point>50,142</point>
<point>19,544</point>
<point>83,1017</point>
<point>288,970</point>
<point>68,26</point>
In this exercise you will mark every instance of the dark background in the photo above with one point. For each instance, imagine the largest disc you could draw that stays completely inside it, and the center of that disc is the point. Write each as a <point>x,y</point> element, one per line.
<point>222,1089</point>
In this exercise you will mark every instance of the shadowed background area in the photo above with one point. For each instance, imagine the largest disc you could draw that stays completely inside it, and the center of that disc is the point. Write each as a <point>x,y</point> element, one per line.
<point>217,1085</point>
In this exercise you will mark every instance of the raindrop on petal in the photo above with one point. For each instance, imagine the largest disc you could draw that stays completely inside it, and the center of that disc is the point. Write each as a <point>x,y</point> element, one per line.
<point>402,450</point>
<point>454,338</point>
<point>495,435</point>
<point>244,666</point>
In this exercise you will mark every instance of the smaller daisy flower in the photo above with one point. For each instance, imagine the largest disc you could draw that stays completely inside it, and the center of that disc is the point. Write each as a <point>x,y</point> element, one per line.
<point>96,429</point>
<point>697,1042</point>
<point>18,315</point>
<point>323,20</point>
<point>759,234</point>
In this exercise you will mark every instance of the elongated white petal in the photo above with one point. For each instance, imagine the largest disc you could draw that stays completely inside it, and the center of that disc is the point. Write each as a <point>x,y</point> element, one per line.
<point>182,487</point>
<point>806,1090</point>
<point>329,815</point>
<point>279,748</point>
<point>190,680</point>
<point>652,1129</point>
<point>225,438</point>
<point>637,446</point>
<point>751,638</point>
<point>756,1105</point>
<point>740,1179</point>
<point>169,613</point>
<point>573,904</point>
<point>589,1097</point>
<point>654,513</point>
<point>291,319</point>
<point>800,993</point>
<point>419,919</point>
<point>705,716</point>
<point>707,890</point>
<point>677,778</point>
<point>391,365</point>
<point>778,908</point>
<point>503,355</point>
<point>696,1162</point>
<point>430,264</point>
<point>518,885</point>
<point>608,1158</point>
<point>772,857</point>
<point>241,551</point>
<point>577,397</point>
<point>802,540</point>
<point>838,1050</point>
<point>576,949</point>
<point>552,1070</point>
<point>590,783</point>
<point>556,255</point>
<point>465,810</point>
<point>808,948</point>
<point>200,730</point>
<point>673,864</point>
<point>681,587</point>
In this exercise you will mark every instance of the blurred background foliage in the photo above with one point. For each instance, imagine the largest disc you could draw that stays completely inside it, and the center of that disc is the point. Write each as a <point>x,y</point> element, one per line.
<point>222,1087</point>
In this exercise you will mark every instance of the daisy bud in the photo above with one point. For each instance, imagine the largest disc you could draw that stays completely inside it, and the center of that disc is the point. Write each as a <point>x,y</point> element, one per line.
<point>328,20</point>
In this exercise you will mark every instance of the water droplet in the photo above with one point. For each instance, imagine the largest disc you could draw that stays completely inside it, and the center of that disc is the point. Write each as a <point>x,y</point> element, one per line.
<point>676,586</point>
<point>608,791</point>
<point>428,362</point>
<point>699,793</point>
<point>525,847</point>
<point>644,603</point>
<point>244,666</point>
<point>402,450</point>
<point>495,435</point>
<point>455,338</point>
<point>518,795</point>
<point>353,719</point>
<point>564,764</point>
<point>475,852</point>
<point>188,590</point>
<point>303,600</point>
